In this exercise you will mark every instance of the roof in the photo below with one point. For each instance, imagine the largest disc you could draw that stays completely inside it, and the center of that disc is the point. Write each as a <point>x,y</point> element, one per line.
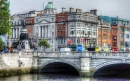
<point>49,5</point>
<point>111,19</point>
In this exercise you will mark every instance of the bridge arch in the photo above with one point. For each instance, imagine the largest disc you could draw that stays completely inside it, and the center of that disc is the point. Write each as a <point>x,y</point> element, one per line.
<point>60,61</point>
<point>104,64</point>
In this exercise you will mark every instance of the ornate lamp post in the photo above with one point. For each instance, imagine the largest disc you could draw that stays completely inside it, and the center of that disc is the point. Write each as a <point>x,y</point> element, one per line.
<point>35,43</point>
<point>86,40</point>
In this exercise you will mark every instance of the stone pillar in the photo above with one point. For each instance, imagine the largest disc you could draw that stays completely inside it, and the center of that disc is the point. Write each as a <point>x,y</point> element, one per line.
<point>13,33</point>
<point>47,30</point>
<point>19,32</point>
<point>16,33</point>
<point>42,31</point>
<point>39,32</point>
<point>85,67</point>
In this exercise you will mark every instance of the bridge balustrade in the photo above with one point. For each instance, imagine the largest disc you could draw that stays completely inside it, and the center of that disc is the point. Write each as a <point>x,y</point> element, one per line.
<point>110,54</point>
<point>80,54</point>
<point>59,54</point>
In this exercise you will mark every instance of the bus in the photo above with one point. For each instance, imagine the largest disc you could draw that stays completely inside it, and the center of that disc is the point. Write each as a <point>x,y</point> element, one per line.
<point>79,48</point>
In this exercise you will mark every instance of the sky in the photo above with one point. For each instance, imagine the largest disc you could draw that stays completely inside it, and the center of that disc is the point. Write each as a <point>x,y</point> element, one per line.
<point>112,8</point>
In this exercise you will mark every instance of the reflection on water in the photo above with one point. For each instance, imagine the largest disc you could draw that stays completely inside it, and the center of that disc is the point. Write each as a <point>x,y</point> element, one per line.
<point>48,77</point>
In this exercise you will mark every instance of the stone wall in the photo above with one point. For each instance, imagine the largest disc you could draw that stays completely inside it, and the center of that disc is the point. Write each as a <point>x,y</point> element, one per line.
<point>13,64</point>
<point>16,60</point>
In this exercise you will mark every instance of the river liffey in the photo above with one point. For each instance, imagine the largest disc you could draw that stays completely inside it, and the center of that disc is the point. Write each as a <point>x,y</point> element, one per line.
<point>48,77</point>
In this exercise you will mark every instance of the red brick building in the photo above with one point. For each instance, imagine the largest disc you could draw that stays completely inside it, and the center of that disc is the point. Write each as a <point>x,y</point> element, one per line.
<point>114,31</point>
<point>61,28</point>
<point>29,25</point>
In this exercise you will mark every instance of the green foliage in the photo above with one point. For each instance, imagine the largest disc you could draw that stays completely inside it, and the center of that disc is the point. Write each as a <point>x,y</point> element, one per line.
<point>44,43</point>
<point>1,44</point>
<point>5,18</point>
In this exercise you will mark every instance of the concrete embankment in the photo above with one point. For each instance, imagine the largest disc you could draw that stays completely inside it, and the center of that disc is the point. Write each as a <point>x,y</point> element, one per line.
<point>15,64</point>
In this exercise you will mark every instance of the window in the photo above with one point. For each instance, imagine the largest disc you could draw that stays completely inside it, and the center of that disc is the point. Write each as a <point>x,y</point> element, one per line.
<point>126,29</point>
<point>114,37</point>
<point>126,44</point>
<point>78,32</point>
<point>127,35</point>
<point>114,43</point>
<point>72,32</point>
<point>52,19</point>
<point>52,26</point>
<point>104,37</point>
<point>78,40</point>
<point>121,43</point>
<point>89,32</point>
<point>78,24</point>
<point>122,29</point>
<point>121,35</point>
<point>94,33</point>
<point>83,32</point>
<point>52,34</point>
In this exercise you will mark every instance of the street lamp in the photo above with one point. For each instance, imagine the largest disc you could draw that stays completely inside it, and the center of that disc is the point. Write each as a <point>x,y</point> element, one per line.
<point>35,42</point>
<point>87,38</point>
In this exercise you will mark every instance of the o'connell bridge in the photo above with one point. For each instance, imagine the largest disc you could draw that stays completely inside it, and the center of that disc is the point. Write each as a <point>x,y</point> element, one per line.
<point>83,63</point>
<point>78,63</point>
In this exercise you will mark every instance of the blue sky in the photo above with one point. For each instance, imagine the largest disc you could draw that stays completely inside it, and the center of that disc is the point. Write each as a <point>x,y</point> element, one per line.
<point>114,8</point>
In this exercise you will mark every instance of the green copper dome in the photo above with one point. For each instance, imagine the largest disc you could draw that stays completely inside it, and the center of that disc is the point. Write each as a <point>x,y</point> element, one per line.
<point>49,5</point>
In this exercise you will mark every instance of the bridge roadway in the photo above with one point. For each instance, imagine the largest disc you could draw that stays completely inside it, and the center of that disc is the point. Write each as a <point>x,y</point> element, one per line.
<point>85,63</point>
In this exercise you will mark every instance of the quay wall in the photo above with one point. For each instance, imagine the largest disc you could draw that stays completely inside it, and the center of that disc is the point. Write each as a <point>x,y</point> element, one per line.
<point>16,64</point>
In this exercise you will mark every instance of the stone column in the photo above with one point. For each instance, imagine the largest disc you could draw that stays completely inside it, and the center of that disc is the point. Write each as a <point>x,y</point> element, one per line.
<point>39,31</point>
<point>45,31</point>
<point>19,32</point>
<point>13,33</point>
<point>16,32</point>
<point>42,31</point>
<point>85,66</point>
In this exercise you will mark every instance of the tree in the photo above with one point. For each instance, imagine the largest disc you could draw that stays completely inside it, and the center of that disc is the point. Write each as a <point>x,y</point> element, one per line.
<point>1,44</point>
<point>5,24</point>
<point>44,43</point>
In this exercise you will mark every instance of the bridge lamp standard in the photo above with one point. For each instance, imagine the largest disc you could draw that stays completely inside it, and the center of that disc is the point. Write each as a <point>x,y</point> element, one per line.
<point>35,42</point>
<point>86,41</point>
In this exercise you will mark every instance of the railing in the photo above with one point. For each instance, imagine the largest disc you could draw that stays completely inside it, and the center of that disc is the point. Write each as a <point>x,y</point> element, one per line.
<point>74,54</point>
<point>85,54</point>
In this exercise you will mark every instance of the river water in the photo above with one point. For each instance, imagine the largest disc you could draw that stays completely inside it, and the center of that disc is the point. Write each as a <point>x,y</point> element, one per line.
<point>49,77</point>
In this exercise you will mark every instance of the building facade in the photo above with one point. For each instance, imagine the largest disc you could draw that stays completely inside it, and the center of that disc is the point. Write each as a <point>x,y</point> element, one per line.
<point>82,28</point>
<point>71,28</point>
<point>120,32</point>
<point>104,34</point>
<point>44,27</point>
<point>16,27</point>
<point>61,29</point>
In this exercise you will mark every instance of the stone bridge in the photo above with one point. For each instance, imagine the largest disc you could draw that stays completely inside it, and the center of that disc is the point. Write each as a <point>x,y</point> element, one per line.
<point>85,63</point>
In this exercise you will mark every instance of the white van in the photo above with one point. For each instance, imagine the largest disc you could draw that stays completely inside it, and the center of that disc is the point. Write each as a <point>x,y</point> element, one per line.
<point>65,50</point>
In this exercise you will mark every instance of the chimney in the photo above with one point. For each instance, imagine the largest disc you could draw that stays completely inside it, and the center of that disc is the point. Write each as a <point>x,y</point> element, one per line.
<point>71,9</point>
<point>63,10</point>
<point>94,12</point>
<point>78,10</point>
<point>91,11</point>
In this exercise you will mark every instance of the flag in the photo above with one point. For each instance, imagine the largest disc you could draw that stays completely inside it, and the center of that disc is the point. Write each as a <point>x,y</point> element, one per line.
<point>69,41</point>
<point>83,39</point>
